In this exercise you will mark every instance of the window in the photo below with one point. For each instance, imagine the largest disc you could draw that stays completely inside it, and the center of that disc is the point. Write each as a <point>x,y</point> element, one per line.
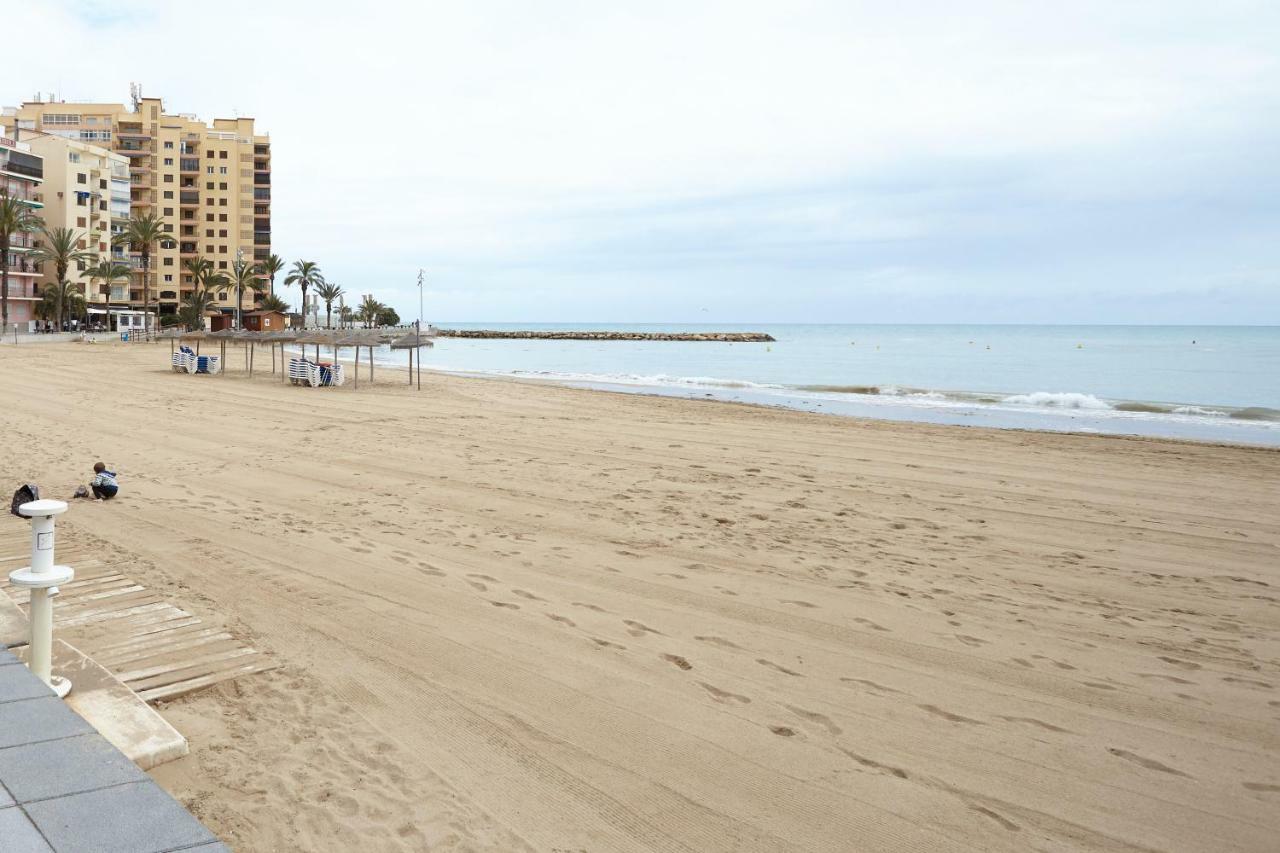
<point>168,226</point>
<point>222,250</point>
<point>222,170</point>
<point>209,154</point>
<point>208,217</point>
<point>222,217</point>
<point>222,265</point>
<point>222,186</point>
<point>61,118</point>
<point>73,156</point>
<point>80,197</point>
<point>91,120</point>
<point>222,154</point>
<point>168,179</point>
<point>168,161</point>
<point>80,245</point>
<point>80,221</point>
<point>208,170</point>
<point>222,232</point>
<point>208,250</point>
<point>168,262</point>
<point>222,202</point>
<point>80,178</point>
<point>168,211</point>
<point>168,277</point>
<point>222,297</point>
<point>102,184</point>
<point>208,232</point>
<point>208,185</point>
<point>208,202</point>
<point>95,134</point>
<point>168,146</point>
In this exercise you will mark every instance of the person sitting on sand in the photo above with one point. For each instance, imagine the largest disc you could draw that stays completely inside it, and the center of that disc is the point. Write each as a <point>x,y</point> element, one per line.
<point>104,483</point>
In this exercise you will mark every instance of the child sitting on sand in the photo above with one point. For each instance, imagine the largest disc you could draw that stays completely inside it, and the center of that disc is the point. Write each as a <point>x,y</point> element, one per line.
<point>104,483</point>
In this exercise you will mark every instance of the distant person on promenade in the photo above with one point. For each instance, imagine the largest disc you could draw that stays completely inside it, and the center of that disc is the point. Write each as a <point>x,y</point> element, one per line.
<point>104,483</point>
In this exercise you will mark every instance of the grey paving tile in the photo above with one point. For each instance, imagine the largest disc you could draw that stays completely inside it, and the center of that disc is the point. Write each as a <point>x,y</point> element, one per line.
<point>17,682</point>
<point>68,766</point>
<point>134,818</point>
<point>17,835</point>
<point>215,847</point>
<point>7,657</point>
<point>5,799</point>
<point>38,719</point>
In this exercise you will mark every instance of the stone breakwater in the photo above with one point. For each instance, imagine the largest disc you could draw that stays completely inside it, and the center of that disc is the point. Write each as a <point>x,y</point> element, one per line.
<point>720,337</point>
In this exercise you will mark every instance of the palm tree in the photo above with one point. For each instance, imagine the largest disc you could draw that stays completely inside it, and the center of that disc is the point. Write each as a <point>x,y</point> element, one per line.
<point>243,275</point>
<point>62,249</point>
<point>202,299</point>
<point>15,218</point>
<point>108,272</point>
<point>328,291</point>
<point>271,302</point>
<point>369,310</point>
<point>345,315</point>
<point>143,232</point>
<point>304,274</point>
<point>271,266</point>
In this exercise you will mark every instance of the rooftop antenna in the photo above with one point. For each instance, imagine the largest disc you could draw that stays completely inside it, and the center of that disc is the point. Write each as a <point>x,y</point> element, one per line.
<point>135,94</point>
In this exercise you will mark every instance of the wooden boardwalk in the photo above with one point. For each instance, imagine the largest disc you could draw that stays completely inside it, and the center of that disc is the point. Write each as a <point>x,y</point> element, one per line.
<point>158,649</point>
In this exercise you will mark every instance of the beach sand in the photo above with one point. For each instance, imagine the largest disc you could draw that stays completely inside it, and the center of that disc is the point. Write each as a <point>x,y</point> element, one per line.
<point>513,616</point>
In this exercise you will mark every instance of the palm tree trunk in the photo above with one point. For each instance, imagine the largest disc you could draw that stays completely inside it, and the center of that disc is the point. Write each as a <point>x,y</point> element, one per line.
<point>328,316</point>
<point>4,283</point>
<point>304,304</point>
<point>57,302</point>
<point>146,291</point>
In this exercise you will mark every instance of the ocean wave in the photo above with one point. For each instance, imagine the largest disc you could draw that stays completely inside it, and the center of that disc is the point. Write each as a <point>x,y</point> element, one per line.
<point>661,379</point>
<point>1256,413</point>
<point>1198,410</point>
<point>1057,400</point>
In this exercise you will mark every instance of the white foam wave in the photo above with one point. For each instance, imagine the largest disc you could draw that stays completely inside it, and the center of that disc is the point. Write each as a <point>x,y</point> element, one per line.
<point>1199,410</point>
<point>1057,400</point>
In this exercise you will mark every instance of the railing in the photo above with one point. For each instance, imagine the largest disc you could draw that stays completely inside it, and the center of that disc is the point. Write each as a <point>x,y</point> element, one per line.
<point>261,178</point>
<point>189,198</point>
<point>189,165</point>
<point>262,194</point>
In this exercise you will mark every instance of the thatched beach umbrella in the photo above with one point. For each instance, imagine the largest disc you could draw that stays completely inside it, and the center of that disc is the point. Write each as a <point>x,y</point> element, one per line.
<point>283,338</point>
<point>196,335</point>
<point>361,338</point>
<point>414,342</point>
<point>222,336</point>
<point>251,340</point>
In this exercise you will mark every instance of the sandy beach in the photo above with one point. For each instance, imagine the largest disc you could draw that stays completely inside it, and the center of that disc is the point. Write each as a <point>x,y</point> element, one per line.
<point>514,616</point>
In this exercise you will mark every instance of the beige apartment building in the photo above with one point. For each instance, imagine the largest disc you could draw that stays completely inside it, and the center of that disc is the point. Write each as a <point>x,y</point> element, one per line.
<point>86,189</point>
<point>211,184</point>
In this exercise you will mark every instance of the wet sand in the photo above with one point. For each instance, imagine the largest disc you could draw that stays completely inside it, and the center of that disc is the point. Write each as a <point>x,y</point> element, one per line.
<point>519,616</point>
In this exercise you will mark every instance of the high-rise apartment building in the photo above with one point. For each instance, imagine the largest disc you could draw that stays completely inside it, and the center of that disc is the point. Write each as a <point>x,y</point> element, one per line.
<point>86,189</point>
<point>211,184</point>
<point>21,174</point>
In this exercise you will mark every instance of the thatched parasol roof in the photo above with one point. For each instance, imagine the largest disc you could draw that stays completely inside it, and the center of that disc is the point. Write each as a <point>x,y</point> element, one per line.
<point>411,341</point>
<point>193,335</point>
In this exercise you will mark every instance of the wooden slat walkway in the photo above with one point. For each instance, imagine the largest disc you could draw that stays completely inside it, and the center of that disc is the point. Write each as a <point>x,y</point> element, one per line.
<point>159,650</point>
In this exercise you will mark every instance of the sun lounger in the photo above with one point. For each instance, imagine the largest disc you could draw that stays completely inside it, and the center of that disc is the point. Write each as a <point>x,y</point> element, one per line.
<point>315,374</point>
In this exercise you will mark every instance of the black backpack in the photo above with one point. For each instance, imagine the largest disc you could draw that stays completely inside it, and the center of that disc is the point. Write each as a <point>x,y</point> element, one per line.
<point>28,492</point>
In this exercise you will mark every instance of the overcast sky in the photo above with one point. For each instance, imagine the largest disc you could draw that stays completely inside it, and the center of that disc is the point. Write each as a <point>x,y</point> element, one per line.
<point>733,162</point>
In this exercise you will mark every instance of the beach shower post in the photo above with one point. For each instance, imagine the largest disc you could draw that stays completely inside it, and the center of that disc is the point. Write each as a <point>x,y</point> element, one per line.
<point>42,578</point>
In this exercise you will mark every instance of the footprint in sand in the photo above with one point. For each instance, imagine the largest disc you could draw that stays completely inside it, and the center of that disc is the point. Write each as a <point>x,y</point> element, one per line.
<point>1262,787</point>
<point>723,695</point>
<point>638,629</point>
<point>478,585</point>
<point>782,731</point>
<point>777,667</point>
<point>797,603</point>
<point>869,624</point>
<point>875,765</point>
<point>718,641</point>
<point>563,619</point>
<point>590,607</point>
<point>506,604</point>
<point>947,715</point>
<point>606,644</point>
<point>815,717</point>
<point>997,817</point>
<point>677,660</point>
<point>870,684</point>
<point>528,595</point>
<point>1032,721</point>
<point>1143,761</point>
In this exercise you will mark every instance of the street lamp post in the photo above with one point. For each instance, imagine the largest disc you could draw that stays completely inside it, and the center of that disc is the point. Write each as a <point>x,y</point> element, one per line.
<point>417,338</point>
<point>239,276</point>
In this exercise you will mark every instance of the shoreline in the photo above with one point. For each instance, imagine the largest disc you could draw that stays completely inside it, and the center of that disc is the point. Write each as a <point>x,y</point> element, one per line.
<point>516,615</point>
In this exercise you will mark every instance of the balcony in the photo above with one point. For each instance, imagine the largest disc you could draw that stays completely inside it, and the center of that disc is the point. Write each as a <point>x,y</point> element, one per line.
<point>135,132</point>
<point>133,151</point>
<point>189,164</point>
<point>262,238</point>
<point>261,210</point>
<point>262,194</point>
<point>189,198</point>
<point>262,178</point>
<point>188,249</point>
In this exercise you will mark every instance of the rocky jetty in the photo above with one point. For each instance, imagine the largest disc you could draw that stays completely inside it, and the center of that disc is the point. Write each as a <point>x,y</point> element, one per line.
<point>719,337</point>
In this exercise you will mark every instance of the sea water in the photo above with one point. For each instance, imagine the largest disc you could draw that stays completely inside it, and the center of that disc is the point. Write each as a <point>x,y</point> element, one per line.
<point>1218,383</point>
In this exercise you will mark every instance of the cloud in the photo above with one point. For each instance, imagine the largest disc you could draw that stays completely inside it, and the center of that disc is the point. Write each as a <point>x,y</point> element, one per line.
<point>806,161</point>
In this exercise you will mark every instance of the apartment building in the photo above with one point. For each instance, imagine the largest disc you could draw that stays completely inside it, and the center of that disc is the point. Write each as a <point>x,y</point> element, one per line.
<point>211,184</point>
<point>21,176</point>
<point>86,189</point>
